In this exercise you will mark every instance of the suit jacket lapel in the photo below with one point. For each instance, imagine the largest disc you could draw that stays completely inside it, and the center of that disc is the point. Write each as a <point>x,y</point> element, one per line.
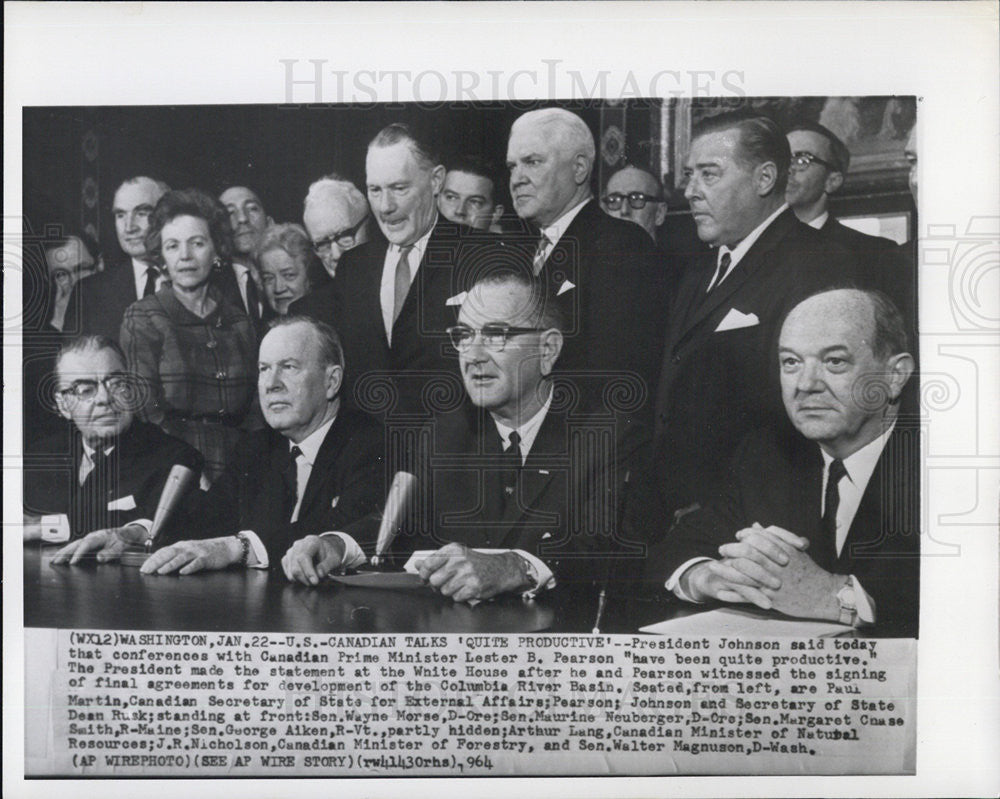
<point>321,475</point>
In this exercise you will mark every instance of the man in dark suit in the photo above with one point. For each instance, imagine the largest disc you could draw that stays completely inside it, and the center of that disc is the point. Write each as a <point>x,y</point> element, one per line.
<point>520,486</point>
<point>390,300</point>
<point>99,483</point>
<point>716,382</point>
<point>820,162</point>
<point>315,468</point>
<point>820,522</point>
<point>248,220</point>
<point>606,273</point>
<point>97,305</point>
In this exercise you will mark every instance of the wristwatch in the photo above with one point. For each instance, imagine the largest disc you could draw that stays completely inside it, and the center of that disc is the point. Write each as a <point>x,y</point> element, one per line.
<point>848,604</point>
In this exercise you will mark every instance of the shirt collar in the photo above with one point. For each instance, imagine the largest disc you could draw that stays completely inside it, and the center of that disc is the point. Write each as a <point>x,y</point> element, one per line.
<point>91,450</point>
<point>419,247</point>
<point>737,252</point>
<point>527,431</point>
<point>555,231</point>
<point>819,221</point>
<point>240,269</point>
<point>861,464</point>
<point>311,443</point>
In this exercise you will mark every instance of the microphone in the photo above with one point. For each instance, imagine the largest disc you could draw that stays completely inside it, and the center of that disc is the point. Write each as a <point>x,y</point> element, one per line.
<point>400,492</point>
<point>176,485</point>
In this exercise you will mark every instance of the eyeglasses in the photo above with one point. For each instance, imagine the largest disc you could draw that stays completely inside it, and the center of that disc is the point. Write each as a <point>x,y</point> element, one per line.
<point>494,336</point>
<point>343,238</point>
<point>116,385</point>
<point>801,160</point>
<point>636,200</point>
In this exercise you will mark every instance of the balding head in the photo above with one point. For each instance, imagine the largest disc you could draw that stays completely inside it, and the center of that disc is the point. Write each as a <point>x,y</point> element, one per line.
<point>629,186</point>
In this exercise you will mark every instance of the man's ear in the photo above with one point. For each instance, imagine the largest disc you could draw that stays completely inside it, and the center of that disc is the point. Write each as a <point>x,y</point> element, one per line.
<point>497,213</point>
<point>61,407</point>
<point>899,368</point>
<point>581,169</point>
<point>765,176</point>
<point>550,344</point>
<point>661,214</point>
<point>334,379</point>
<point>833,182</point>
<point>437,179</point>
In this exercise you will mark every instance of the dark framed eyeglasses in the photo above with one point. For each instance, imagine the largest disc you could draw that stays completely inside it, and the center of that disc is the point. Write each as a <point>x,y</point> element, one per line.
<point>802,159</point>
<point>117,385</point>
<point>636,200</point>
<point>494,336</point>
<point>342,238</point>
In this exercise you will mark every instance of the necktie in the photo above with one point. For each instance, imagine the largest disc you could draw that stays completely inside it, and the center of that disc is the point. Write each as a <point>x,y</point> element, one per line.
<point>539,260</point>
<point>402,281</point>
<point>831,501</point>
<point>512,466</point>
<point>253,299</point>
<point>724,263</point>
<point>290,477</point>
<point>152,273</point>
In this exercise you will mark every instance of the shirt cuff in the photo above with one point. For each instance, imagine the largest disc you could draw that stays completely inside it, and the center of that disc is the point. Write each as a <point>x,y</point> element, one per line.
<point>544,578</point>
<point>353,556</point>
<point>259,550</point>
<point>145,524</point>
<point>55,528</point>
<point>674,581</point>
<point>864,604</point>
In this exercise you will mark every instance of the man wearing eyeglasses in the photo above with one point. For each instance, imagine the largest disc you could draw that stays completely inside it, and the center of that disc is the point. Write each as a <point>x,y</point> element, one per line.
<point>394,297</point>
<point>517,494</point>
<point>636,196</point>
<point>336,217</point>
<point>818,168</point>
<point>109,472</point>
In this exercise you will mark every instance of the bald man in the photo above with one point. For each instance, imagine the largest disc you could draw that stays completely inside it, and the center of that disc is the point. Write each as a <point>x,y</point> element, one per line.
<point>636,196</point>
<point>820,521</point>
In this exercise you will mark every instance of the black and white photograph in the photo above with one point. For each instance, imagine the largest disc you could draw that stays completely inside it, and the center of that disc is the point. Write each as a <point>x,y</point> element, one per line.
<point>452,417</point>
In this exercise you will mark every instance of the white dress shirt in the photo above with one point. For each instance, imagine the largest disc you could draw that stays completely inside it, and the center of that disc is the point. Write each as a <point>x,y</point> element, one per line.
<point>139,270</point>
<point>819,221</point>
<point>309,447</point>
<point>387,289</point>
<point>555,231</point>
<point>736,253</point>
<point>242,276</point>
<point>859,467</point>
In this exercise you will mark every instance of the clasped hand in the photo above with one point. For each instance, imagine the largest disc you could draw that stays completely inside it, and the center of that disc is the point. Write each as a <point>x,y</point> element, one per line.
<point>463,574</point>
<point>769,568</point>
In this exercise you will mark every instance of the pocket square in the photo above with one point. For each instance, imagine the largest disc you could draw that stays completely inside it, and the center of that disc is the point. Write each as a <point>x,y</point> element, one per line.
<point>566,286</point>
<point>734,320</point>
<point>458,299</point>
<point>125,503</point>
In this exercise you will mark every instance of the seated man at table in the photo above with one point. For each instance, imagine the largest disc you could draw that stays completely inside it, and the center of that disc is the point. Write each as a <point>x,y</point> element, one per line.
<point>821,521</point>
<point>517,487</point>
<point>316,467</point>
<point>106,474</point>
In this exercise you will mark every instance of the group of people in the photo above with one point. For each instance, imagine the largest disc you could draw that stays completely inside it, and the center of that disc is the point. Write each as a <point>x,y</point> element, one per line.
<point>572,405</point>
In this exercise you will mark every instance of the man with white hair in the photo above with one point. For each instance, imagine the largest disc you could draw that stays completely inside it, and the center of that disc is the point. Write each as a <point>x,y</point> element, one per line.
<point>336,216</point>
<point>605,272</point>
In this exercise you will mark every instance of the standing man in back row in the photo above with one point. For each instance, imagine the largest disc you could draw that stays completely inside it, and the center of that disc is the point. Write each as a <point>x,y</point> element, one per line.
<point>717,382</point>
<point>605,273</point>
<point>391,297</point>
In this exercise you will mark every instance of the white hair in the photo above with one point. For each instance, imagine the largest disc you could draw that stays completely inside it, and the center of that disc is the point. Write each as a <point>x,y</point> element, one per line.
<point>330,190</point>
<point>571,131</point>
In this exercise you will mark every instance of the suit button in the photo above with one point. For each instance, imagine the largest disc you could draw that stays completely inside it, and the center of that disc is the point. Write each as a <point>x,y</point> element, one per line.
<point>220,375</point>
<point>676,359</point>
